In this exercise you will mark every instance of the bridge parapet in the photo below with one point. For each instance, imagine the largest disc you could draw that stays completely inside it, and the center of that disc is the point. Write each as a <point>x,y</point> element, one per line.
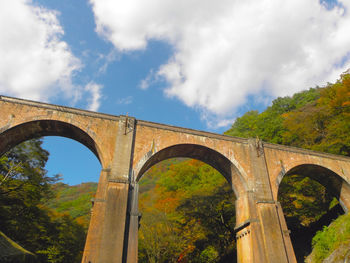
<point>24,119</point>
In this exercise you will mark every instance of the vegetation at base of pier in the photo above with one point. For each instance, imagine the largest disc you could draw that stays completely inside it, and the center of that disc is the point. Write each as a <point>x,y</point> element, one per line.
<point>188,212</point>
<point>333,243</point>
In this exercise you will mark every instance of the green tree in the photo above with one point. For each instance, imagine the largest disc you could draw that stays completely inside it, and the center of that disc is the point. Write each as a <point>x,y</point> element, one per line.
<point>24,185</point>
<point>214,214</point>
<point>269,125</point>
<point>24,188</point>
<point>161,239</point>
<point>304,200</point>
<point>323,125</point>
<point>332,243</point>
<point>67,242</point>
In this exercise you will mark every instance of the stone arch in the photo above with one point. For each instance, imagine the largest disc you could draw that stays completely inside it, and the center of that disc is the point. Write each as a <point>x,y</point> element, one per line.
<point>38,128</point>
<point>198,152</point>
<point>334,183</point>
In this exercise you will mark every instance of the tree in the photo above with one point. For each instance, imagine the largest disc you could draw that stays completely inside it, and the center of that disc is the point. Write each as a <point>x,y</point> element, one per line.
<point>269,125</point>
<point>161,239</point>
<point>188,215</point>
<point>24,185</point>
<point>323,125</point>
<point>214,214</point>
<point>24,188</point>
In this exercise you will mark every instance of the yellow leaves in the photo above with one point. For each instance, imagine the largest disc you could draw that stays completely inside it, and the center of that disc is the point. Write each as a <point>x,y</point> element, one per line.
<point>324,125</point>
<point>337,96</point>
<point>82,220</point>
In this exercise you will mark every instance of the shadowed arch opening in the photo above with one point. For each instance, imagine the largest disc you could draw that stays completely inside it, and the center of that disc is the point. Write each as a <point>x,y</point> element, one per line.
<point>311,196</point>
<point>332,181</point>
<point>40,128</point>
<point>201,153</point>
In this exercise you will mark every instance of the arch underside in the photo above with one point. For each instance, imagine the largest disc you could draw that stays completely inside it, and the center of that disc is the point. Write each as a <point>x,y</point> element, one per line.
<point>333,182</point>
<point>329,179</point>
<point>39,128</point>
<point>201,153</point>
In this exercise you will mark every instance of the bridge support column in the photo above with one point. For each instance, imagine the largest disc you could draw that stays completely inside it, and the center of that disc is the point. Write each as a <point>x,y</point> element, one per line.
<point>274,238</point>
<point>248,231</point>
<point>265,225</point>
<point>107,239</point>
<point>264,237</point>
<point>134,218</point>
<point>344,197</point>
<point>286,236</point>
<point>113,232</point>
<point>94,234</point>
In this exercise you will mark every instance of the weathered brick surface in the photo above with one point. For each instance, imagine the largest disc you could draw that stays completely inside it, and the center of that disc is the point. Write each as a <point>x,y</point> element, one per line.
<point>282,160</point>
<point>153,137</point>
<point>127,147</point>
<point>99,127</point>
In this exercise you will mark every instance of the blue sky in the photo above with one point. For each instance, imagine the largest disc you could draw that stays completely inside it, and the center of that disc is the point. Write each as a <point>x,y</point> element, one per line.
<point>196,64</point>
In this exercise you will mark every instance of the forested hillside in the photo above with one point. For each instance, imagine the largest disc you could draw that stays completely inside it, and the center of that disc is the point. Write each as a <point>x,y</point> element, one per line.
<point>316,119</point>
<point>74,201</point>
<point>187,207</point>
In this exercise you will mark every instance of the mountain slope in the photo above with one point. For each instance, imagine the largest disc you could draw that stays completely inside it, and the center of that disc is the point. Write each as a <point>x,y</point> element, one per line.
<point>73,200</point>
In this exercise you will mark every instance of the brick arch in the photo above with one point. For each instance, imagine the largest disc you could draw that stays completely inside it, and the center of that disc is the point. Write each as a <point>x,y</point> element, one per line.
<point>198,152</point>
<point>333,182</point>
<point>38,128</point>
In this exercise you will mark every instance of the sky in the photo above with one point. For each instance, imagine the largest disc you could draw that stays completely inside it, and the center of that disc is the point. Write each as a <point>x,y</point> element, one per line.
<point>191,63</point>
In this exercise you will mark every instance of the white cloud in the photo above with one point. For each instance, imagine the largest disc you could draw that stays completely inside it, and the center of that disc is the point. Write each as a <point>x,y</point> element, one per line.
<point>106,60</point>
<point>215,122</point>
<point>227,50</point>
<point>149,80</point>
<point>34,62</point>
<point>144,84</point>
<point>94,100</point>
<point>124,101</point>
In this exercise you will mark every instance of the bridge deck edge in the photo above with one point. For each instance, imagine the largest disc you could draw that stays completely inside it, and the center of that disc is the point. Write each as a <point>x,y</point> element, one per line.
<point>59,108</point>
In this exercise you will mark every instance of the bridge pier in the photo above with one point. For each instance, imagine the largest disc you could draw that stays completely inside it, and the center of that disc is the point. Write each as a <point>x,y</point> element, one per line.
<point>94,234</point>
<point>262,234</point>
<point>248,230</point>
<point>110,242</point>
<point>344,197</point>
<point>286,234</point>
<point>134,217</point>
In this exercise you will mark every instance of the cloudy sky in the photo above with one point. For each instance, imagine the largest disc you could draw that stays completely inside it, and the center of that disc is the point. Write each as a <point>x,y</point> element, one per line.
<point>190,63</point>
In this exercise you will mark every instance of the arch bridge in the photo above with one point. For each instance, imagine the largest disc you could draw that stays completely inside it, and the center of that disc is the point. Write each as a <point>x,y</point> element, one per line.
<point>127,148</point>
